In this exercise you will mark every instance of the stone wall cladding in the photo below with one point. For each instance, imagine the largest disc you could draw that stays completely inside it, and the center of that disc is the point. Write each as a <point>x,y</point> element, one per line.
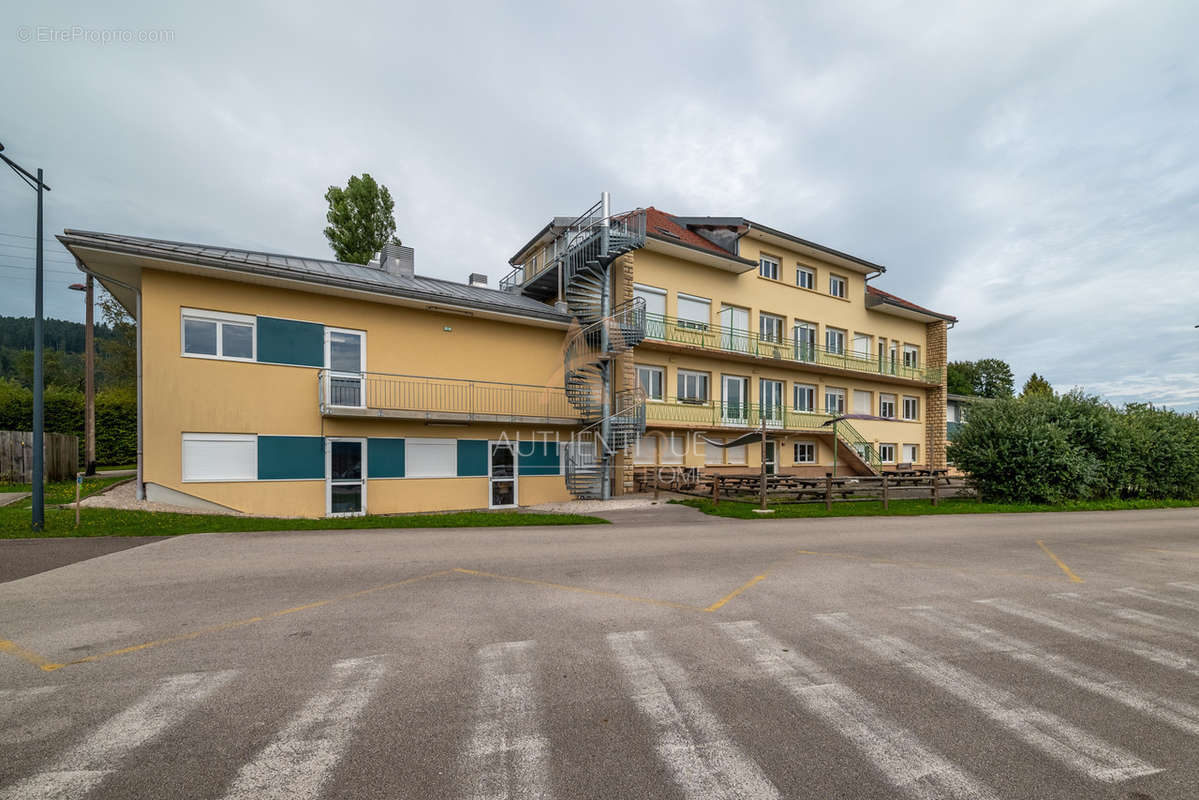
<point>936,355</point>
<point>624,372</point>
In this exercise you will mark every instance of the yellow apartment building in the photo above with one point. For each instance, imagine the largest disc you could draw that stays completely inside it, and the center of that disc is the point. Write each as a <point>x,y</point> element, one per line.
<point>282,385</point>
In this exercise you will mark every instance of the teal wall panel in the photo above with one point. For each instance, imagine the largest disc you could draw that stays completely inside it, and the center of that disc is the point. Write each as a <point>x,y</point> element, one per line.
<point>286,341</point>
<point>472,457</point>
<point>538,458</point>
<point>290,458</point>
<point>384,458</point>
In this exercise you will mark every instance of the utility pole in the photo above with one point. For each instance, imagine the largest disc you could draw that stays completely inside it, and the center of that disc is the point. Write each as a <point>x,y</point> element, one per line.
<point>39,401</point>
<point>89,387</point>
<point>763,487</point>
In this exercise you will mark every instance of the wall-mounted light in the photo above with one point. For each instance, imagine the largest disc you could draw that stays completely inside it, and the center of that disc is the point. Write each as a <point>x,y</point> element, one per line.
<point>446,328</point>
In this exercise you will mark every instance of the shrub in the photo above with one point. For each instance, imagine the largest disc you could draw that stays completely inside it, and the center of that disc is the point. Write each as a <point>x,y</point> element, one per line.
<point>1047,449</point>
<point>116,417</point>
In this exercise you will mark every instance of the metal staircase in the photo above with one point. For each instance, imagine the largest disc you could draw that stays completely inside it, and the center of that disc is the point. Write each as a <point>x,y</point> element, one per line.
<point>613,421</point>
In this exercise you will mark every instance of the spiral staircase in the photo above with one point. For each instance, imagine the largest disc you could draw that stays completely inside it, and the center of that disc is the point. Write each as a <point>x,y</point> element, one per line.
<point>612,421</point>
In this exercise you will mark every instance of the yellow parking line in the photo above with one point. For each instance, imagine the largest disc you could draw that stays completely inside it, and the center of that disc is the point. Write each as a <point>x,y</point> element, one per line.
<point>579,589</point>
<point>1061,564</point>
<point>27,655</point>
<point>751,582</point>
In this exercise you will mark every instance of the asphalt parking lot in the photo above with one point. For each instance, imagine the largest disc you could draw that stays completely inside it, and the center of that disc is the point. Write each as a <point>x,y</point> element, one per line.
<point>669,655</point>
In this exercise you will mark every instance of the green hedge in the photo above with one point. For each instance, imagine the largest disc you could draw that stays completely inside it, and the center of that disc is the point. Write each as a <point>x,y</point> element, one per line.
<point>1048,449</point>
<point>116,417</point>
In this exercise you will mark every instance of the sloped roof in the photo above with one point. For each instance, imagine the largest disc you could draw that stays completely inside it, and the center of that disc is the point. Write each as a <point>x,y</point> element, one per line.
<point>895,300</point>
<point>316,271</point>
<point>661,225</point>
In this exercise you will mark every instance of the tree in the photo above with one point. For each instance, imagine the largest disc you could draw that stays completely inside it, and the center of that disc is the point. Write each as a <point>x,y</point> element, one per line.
<point>361,219</point>
<point>1036,386</point>
<point>961,377</point>
<point>117,361</point>
<point>994,380</point>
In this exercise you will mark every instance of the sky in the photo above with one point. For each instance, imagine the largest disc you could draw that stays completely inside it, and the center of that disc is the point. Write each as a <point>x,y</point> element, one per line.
<point>1028,167</point>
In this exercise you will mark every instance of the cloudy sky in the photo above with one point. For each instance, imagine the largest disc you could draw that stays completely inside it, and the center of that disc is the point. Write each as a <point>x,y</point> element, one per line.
<point>1029,167</point>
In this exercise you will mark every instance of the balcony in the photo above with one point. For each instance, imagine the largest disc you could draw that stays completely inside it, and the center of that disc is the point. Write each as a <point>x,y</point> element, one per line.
<point>673,333</point>
<point>417,397</point>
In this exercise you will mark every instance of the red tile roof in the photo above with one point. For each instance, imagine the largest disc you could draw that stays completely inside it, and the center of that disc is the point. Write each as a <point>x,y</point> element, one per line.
<point>659,223</point>
<point>899,301</point>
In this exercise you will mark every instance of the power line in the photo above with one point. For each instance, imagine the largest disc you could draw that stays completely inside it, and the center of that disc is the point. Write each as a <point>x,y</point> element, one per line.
<point>31,268</point>
<point>49,239</point>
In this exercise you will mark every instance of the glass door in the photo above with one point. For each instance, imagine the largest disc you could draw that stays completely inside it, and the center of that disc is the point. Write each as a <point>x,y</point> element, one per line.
<point>501,470</point>
<point>734,400</point>
<point>771,393</point>
<point>735,325</point>
<point>805,342</point>
<point>771,457</point>
<point>345,362</point>
<point>345,484</point>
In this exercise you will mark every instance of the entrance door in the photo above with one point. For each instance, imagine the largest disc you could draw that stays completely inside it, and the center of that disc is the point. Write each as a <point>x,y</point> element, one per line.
<point>734,400</point>
<point>771,457</point>
<point>345,484</point>
<point>345,360</point>
<point>501,469</point>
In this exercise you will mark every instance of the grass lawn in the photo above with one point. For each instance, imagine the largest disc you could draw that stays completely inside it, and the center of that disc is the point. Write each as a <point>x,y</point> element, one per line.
<point>15,519</point>
<point>911,508</point>
<point>105,467</point>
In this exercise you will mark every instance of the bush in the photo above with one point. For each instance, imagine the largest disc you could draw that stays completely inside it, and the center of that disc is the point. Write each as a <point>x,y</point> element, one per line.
<point>1050,449</point>
<point>116,417</point>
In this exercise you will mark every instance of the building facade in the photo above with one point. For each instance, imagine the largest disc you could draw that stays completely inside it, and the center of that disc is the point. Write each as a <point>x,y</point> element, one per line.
<point>280,385</point>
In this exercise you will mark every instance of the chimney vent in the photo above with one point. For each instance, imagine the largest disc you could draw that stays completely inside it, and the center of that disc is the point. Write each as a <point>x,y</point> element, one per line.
<point>397,259</point>
<point>477,279</point>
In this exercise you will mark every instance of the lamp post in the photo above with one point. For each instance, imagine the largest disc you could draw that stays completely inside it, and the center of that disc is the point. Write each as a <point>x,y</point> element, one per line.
<point>89,386</point>
<point>36,183</point>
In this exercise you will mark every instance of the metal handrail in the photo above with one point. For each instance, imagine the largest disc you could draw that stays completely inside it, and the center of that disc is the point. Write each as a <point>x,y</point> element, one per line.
<point>662,328</point>
<point>381,391</point>
<point>574,240</point>
<point>625,326</point>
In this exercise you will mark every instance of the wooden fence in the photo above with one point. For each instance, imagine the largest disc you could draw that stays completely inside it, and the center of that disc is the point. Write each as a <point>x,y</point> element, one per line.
<point>16,456</point>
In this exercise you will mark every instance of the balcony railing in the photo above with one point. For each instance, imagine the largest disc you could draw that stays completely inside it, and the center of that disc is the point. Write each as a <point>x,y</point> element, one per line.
<point>720,339</point>
<point>376,394</point>
<point>750,415</point>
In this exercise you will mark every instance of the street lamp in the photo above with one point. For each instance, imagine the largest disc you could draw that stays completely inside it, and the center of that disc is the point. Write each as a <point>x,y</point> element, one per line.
<point>89,386</point>
<point>39,405</point>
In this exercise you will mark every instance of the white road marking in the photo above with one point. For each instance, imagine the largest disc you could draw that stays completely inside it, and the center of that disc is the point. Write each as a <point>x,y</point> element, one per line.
<point>1177,602</point>
<point>1133,615</point>
<point>1146,650</point>
<point>13,699</point>
<point>692,743</point>
<point>507,757</point>
<point>904,761</point>
<point>1178,714</point>
<point>297,762</point>
<point>1043,730</point>
<point>1192,587</point>
<point>82,767</point>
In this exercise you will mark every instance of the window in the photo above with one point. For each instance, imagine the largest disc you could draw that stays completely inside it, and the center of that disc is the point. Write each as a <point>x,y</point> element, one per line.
<point>805,452</point>
<point>671,449</point>
<point>834,341</point>
<point>805,278</point>
<point>213,334</point>
<point>770,327</point>
<point>345,360</point>
<point>911,453</point>
<point>834,401</point>
<point>735,455</point>
<point>886,406</point>
<point>646,450</point>
<point>805,341</point>
<point>863,402</point>
<point>911,408</point>
<point>655,310</point>
<point>431,458</point>
<point>694,312</point>
<point>861,345</point>
<point>693,386</point>
<point>651,379</point>
<point>713,454</point>
<point>837,286</point>
<point>886,453</point>
<point>220,457</point>
<point>770,397</point>
<point>911,356</point>
<point>768,267</point>
<point>805,397</point>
